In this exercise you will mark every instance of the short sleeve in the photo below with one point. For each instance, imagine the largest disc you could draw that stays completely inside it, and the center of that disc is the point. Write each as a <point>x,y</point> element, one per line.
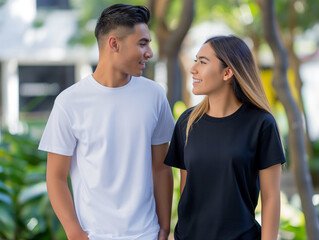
<point>58,136</point>
<point>175,155</point>
<point>269,151</point>
<point>165,125</point>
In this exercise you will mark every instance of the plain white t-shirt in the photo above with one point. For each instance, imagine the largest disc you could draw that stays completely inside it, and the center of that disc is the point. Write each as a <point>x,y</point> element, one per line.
<point>109,133</point>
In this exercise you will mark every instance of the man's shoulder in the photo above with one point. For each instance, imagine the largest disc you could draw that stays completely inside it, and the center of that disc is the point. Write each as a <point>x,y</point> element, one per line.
<point>149,84</point>
<point>72,92</point>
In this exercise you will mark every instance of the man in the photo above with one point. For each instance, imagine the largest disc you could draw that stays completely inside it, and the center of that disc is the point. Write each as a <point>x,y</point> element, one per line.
<point>111,131</point>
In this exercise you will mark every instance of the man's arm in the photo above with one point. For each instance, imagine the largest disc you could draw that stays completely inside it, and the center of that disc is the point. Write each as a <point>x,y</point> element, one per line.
<point>163,188</point>
<point>270,201</point>
<point>60,196</point>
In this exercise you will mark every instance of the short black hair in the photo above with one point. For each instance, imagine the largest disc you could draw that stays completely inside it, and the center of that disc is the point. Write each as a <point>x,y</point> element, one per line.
<point>120,15</point>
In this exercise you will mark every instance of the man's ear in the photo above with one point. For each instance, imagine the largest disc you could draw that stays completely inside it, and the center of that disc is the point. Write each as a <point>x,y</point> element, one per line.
<point>113,43</point>
<point>228,73</point>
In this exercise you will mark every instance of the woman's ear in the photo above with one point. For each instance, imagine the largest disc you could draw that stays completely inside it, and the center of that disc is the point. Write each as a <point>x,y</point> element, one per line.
<point>228,73</point>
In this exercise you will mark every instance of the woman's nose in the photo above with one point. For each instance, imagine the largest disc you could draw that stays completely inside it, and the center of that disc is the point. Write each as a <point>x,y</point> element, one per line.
<point>193,69</point>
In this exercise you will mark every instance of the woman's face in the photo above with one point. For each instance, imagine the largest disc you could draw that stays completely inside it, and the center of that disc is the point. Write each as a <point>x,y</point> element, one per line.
<point>208,74</point>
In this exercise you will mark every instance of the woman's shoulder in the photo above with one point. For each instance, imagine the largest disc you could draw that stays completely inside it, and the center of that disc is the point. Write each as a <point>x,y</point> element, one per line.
<point>264,117</point>
<point>183,118</point>
<point>186,114</point>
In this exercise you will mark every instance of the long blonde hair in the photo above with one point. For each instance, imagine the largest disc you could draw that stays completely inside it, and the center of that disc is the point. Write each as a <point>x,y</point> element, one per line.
<point>234,53</point>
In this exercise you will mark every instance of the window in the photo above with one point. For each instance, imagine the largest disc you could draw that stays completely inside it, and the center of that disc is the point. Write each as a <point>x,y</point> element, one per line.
<point>59,4</point>
<point>39,86</point>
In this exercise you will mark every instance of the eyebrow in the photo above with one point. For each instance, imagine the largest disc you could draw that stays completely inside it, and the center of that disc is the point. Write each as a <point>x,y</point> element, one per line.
<point>202,57</point>
<point>145,40</point>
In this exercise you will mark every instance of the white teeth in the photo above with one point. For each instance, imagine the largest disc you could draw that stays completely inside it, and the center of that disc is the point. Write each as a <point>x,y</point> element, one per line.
<point>196,81</point>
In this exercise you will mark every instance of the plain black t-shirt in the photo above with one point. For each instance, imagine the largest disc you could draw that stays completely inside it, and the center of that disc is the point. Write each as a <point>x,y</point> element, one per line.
<point>223,157</point>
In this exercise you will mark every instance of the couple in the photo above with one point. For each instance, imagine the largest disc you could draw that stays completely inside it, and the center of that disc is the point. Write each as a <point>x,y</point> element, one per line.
<point>111,130</point>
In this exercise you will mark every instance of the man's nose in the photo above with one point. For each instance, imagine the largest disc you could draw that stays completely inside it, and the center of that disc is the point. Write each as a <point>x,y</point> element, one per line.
<point>149,53</point>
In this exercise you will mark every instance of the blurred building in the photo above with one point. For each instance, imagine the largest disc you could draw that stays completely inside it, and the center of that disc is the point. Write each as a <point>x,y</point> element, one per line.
<point>36,60</point>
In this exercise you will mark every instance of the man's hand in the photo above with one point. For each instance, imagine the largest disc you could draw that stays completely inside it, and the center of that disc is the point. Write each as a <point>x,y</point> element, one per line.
<point>162,235</point>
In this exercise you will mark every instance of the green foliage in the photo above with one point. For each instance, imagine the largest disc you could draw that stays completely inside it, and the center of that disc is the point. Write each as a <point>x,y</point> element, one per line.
<point>38,23</point>
<point>316,148</point>
<point>2,2</point>
<point>174,11</point>
<point>178,109</point>
<point>82,37</point>
<point>306,13</point>
<point>25,210</point>
<point>292,221</point>
<point>314,165</point>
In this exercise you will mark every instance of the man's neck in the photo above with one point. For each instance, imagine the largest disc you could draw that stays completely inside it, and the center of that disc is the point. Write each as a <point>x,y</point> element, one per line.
<point>110,77</point>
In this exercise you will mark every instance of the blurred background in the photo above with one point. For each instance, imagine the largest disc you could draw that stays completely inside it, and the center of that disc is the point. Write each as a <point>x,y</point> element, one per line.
<point>48,45</point>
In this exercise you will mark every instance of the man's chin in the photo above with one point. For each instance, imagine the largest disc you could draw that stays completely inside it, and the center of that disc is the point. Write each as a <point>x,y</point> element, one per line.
<point>137,74</point>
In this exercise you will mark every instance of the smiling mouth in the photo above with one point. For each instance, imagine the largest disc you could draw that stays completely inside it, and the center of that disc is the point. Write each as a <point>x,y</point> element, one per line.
<point>142,65</point>
<point>196,81</point>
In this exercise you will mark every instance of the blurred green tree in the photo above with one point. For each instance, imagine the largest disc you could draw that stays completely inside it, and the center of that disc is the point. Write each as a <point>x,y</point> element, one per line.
<point>25,209</point>
<point>296,137</point>
<point>88,13</point>
<point>170,39</point>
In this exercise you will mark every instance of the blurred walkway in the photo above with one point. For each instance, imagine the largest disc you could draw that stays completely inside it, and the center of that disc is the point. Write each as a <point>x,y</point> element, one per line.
<point>287,184</point>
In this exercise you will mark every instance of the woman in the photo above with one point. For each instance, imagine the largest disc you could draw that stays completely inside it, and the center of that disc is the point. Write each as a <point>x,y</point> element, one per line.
<point>228,148</point>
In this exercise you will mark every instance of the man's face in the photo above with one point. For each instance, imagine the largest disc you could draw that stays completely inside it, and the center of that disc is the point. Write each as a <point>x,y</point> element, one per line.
<point>135,51</point>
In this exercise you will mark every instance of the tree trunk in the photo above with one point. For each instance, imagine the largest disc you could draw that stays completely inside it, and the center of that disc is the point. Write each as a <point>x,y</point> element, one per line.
<point>186,95</point>
<point>170,42</point>
<point>174,80</point>
<point>256,41</point>
<point>297,147</point>
<point>295,66</point>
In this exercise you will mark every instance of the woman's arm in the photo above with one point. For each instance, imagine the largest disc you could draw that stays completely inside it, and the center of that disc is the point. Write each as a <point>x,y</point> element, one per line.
<point>270,201</point>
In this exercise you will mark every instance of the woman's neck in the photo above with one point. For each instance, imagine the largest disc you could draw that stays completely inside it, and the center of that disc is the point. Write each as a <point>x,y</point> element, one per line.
<point>223,105</point>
